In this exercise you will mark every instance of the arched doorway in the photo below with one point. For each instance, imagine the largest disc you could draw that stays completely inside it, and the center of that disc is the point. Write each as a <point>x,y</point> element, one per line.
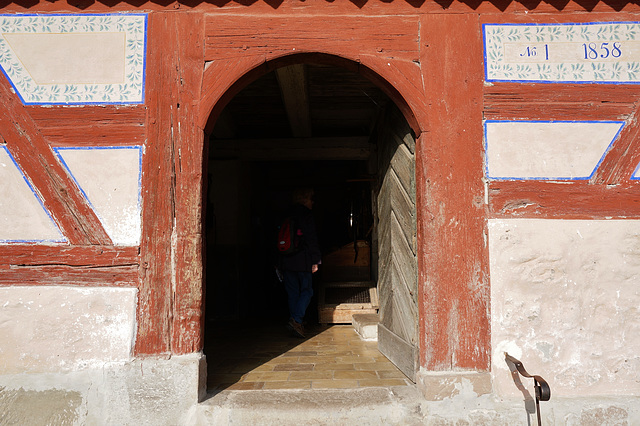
<point>315,124</point>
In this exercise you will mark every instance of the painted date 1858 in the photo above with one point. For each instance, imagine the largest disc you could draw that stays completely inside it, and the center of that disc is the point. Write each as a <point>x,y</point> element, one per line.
<point>593,51</point>
<point>590,51</point>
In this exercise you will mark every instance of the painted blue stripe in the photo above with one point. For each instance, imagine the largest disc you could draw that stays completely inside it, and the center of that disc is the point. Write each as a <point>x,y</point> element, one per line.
<point>144,61</point>
<point>561,81</point>
<point>555,24</point>
<point>636,174</point>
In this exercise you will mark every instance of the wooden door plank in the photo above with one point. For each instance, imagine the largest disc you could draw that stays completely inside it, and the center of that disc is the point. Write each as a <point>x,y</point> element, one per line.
<point>405,259</point>
<point>404,313</point>
<point>396,350</point>
<point>398,326</point>
<point>404,166</point>
<point>403,210</point>
<point>402,129</point>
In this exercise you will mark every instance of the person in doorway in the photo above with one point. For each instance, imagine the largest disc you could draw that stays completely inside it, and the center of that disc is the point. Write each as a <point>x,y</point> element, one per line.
<point>299,267</point>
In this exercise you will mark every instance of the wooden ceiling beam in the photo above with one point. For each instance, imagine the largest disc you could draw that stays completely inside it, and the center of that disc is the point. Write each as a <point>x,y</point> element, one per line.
<point>344,148</point>
<point>295,95</point>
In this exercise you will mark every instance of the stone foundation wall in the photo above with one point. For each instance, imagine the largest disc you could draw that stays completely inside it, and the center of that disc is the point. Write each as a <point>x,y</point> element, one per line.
<point>140,392</point>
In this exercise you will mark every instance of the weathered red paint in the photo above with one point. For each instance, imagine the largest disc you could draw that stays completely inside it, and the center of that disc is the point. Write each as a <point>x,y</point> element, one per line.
<point>383,49</point>
<point>103,125</point>
<point>563,102</point>
<point>86,266</point>
<point>170,298</point>
<point>76,256</point>
<point>519,9</point>
<point>413,51</point>
<point>621,161</point>
<point>187,321</point>
<point>564,200</point>
<point>158,190</point>
<point>453,267</point>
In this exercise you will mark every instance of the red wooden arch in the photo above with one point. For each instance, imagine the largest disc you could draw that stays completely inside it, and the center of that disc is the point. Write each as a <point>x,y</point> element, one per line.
<point>219,87</point>
<point>410,59</point>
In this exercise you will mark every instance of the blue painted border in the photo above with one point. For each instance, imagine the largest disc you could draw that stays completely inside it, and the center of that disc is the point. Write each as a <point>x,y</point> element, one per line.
<point>35,194</point>
<point>484,48</point>
<point>486,149</point>
<point>144,60</point>
<point>636,173</point>
<point>58,150</point>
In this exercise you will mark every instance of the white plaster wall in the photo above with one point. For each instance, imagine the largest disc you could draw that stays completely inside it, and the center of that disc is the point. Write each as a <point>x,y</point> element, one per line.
<point>72,58</point>
<point>22,216</point>
<point>545,150</point>
<point>58,328</point>
<point>110,179</point>
<point>565,300</point>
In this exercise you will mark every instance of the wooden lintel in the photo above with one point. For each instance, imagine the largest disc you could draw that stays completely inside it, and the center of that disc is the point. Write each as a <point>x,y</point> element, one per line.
<point>564,200</point>
<point>516,101</point>
<point>64,255</point>
<point>344,148</point>
<point>293,86</point>
<point>85,276</point>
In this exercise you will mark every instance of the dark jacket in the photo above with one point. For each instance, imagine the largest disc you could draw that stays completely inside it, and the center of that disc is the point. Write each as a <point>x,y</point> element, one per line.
<point>310,251</point>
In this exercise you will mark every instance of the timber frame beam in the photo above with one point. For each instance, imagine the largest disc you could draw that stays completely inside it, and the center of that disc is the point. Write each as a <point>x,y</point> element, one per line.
<point>293,86</point>
<point>35,157</point>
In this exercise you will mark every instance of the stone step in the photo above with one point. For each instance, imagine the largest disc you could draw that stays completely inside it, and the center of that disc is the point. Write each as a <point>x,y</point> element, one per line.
<point>366,325</point>
<point>365,406</point>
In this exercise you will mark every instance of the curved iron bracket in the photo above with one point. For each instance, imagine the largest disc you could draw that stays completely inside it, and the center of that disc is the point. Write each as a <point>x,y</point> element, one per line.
<point>543,391</point>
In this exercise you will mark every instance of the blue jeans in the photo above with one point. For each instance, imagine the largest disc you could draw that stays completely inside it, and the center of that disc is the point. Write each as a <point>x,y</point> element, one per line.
<point>299,291</point>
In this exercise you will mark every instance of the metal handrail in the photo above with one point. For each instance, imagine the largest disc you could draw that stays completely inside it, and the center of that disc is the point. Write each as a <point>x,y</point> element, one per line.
<point>543,391</point>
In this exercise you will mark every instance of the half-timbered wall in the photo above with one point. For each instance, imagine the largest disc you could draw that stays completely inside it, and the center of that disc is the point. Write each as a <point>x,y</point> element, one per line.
<point>526,175</point>
<point>560,159</point>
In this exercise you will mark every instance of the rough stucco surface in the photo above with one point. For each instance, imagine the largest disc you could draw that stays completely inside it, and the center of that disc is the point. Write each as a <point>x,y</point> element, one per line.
<point>56,329</point>
<point>148,391</point>
<point>50,407</point>
<point>565,298</point>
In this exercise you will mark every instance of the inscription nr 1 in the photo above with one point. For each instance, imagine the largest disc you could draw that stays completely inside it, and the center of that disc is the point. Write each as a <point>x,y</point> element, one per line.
<point>563,53</point>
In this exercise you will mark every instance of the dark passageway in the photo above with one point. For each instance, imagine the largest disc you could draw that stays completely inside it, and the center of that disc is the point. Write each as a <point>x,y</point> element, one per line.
<point>312,126</point>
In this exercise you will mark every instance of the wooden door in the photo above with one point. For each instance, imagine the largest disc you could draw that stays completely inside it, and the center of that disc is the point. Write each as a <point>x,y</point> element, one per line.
<point>397,264</point>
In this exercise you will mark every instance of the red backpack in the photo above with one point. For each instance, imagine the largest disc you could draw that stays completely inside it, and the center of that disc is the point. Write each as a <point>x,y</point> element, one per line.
<point>289,237</point>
